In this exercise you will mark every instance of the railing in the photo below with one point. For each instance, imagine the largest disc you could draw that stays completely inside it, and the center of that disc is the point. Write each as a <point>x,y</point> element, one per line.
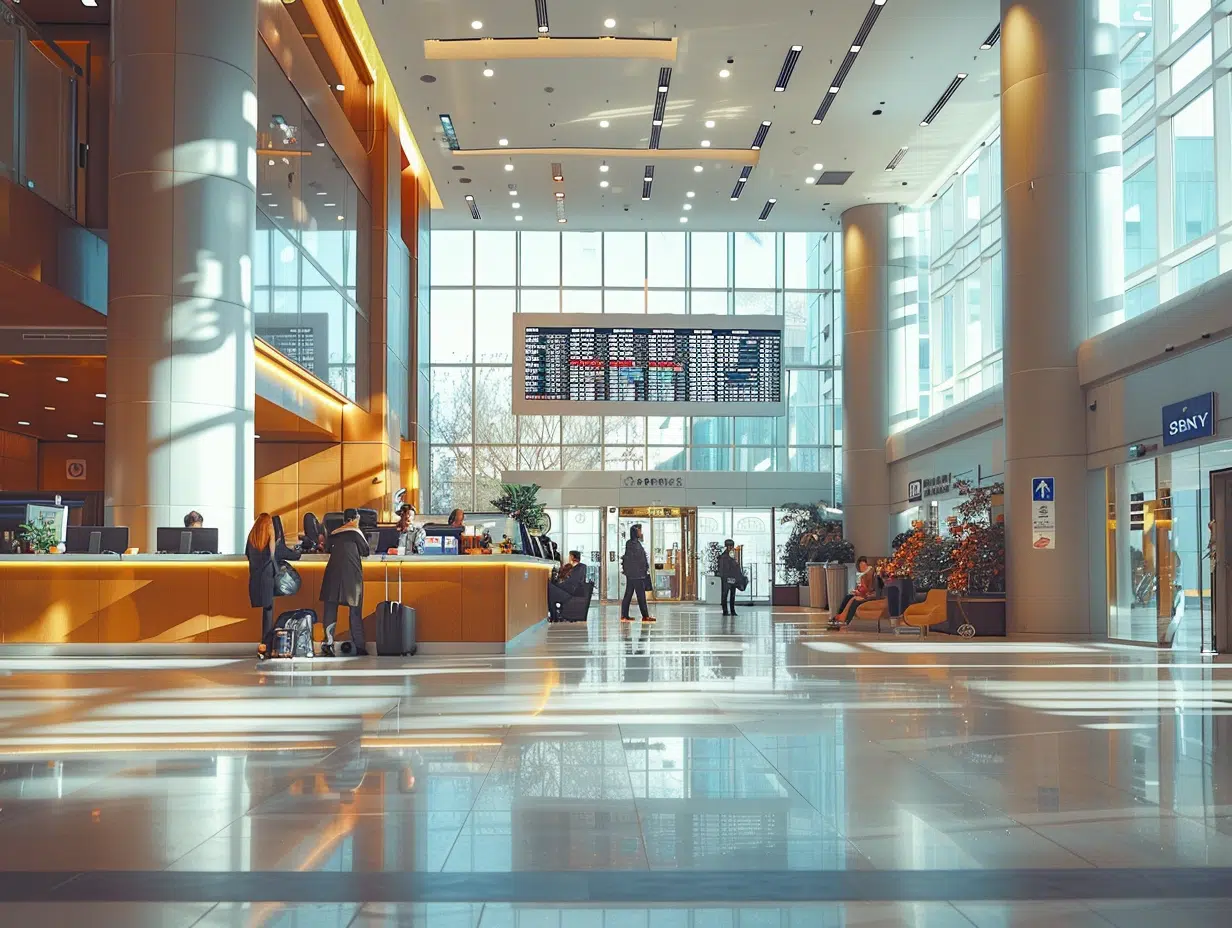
<point>38,111</point>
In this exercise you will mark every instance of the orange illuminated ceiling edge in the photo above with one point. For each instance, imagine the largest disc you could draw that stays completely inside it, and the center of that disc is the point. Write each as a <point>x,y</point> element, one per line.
<point>732,155</point>
<point>543,47</point>
<point>294,375</point>
<point>361,34</point>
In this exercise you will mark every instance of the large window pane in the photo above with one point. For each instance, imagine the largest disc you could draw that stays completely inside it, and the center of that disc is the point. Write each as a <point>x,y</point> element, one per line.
<point>451,476</point>
<point>540,259</point>
<point>665,260</point>
<point>493,410</point>
<point>1141,227</point>
<point>453,260</point>
<point>624,301</point>
<point>1187,12</point>
<point>624,259</point>
<point>756,264</point>
<point>494,326</point>
<point>496,259</point>
<point>804,260</point>
<point>451,327</point>
<point>1192,63</point>
<point>451,422</point>
<point>581,262</point>
<point>709,259</point>
<point>1193,132</point>
<point>1137,38</point>
<point>1197,270</point>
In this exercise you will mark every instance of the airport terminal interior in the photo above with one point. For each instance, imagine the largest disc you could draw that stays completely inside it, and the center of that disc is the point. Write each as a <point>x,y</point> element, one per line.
<point>595,464</point>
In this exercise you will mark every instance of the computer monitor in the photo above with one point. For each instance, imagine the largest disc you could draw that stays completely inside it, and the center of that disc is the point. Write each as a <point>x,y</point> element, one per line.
<point>96,539</point>
<point>367,519</point>
<point>383,538</point>
<point>442,539</point>
<point>187,540</point>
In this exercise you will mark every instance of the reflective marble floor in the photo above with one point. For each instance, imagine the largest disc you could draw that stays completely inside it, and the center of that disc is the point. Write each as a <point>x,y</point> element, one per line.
<point>701,772</point>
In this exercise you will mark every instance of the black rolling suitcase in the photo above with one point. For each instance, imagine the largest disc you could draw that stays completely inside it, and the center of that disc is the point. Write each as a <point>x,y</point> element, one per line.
<point>395,624</point>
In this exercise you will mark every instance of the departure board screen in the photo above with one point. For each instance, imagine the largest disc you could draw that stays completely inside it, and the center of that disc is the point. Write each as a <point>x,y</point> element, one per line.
<point>587,365</point>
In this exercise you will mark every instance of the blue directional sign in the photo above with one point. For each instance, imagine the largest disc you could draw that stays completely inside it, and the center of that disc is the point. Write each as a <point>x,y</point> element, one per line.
<point>1043,489</point>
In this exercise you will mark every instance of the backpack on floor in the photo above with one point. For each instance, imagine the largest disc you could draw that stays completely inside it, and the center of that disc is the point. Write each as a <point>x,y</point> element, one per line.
<point>290,636</point>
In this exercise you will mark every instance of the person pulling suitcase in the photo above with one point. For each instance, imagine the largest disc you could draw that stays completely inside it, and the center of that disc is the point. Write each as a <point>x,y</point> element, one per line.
<point>343,583</point>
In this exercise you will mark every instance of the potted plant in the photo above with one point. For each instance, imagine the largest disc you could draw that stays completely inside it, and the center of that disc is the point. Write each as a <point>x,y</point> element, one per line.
<point>814,537</point>
<point>711,591</point>
<point>41,537</point>
<point>520,501</point>
<point>977,579</point>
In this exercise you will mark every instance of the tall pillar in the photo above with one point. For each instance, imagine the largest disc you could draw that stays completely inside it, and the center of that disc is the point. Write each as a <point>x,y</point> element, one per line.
<point>180,375</point>
<point>867,274</point>
<point>1064,264</point>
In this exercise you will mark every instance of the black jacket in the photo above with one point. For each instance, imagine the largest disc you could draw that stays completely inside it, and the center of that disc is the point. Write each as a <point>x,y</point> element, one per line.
<point>576,580</point>
<point>729,568</point>
<point>635,565</point>
<point>263,568</point>
<point>343,582</point>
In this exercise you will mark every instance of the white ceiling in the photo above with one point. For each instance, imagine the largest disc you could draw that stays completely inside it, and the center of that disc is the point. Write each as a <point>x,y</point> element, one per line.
<point>914,51</point>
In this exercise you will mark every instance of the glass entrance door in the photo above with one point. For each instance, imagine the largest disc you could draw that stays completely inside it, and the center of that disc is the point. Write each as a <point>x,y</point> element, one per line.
<point>669,535</point>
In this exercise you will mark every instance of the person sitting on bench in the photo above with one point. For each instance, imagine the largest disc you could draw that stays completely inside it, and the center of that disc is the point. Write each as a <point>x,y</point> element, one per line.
<point>568,587</point>
<point>866,589</point>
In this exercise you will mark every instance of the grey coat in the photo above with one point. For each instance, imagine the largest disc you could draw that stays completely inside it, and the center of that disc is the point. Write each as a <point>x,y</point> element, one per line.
<point>635,565</point>
<point>343,582</point>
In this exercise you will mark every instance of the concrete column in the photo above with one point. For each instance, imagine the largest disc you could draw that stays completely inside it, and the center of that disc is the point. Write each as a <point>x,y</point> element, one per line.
<point>1064,265</point>
<point>180,375</point>
<point>867,274</point>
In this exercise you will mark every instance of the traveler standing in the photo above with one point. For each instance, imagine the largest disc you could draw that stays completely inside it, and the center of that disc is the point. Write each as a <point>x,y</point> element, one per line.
<point>729,575</point>
<point>343,583</point>
<point>636,568</point>
<point>266,550</point>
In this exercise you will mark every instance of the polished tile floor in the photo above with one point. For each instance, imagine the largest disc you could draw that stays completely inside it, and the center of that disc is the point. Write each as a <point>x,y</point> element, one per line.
<point>701,772</point>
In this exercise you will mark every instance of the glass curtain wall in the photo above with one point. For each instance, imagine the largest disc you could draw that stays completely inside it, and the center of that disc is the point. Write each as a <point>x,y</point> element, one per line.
<point>480,279</point>
<point>313,231</point>
<point>1175,116</point>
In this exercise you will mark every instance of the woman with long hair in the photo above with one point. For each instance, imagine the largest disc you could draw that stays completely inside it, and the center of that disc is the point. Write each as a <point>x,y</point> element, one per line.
<point>262,550</point>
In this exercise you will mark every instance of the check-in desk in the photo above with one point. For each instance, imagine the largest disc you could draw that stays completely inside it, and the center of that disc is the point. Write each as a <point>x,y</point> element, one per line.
<point>462,602</point>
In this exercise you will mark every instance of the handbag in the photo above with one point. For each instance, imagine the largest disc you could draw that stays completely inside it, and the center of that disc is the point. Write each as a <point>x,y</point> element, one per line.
<point>742,582</point>
<point>287,581</point>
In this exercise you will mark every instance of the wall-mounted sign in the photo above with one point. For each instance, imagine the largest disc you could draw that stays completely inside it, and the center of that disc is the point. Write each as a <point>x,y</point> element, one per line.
<point>923,488</point>
<point>75,469</point>
<point>1189,419</point>
<point>643,482</point>
<point>1043,526</point>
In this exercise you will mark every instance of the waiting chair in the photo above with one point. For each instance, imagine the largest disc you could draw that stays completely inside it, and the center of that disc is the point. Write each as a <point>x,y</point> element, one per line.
<point>577,607</point>
<point>928,613</point>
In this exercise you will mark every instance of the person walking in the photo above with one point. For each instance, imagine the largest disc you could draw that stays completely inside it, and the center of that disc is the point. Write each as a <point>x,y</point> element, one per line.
<point>266,550</point>
<point>343,583</point>
<point>730,575</point>
<point>636,568</point>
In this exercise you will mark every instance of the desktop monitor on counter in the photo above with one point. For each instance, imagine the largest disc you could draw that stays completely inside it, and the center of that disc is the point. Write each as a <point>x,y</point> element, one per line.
<point>187,540</point>
<point>96,539</point>
<point>442,539</point>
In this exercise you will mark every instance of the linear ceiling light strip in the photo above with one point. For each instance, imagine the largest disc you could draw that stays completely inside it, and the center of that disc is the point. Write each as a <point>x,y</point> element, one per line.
<point>945,98</point>
<point>760,138</point>
<point>741,182</point>
<point>849,60</point>
<point>789,65</point>
<point>897,159</point>
<point>558,173</point>
<point>541,16</point>
<point>765,210</point>
<point>560,209</point>
<point>647,181</point>
<point>660,105</point>
<point>470,201</point>
<point>993,38</point>
<point>451,136</point>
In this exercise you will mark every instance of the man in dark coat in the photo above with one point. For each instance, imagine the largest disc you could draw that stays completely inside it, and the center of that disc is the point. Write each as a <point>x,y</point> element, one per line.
<point>560,593</point>
<point>635,565</point>
<point>343,583</point>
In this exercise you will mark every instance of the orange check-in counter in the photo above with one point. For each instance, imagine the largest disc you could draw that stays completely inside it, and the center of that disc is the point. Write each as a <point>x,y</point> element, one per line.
<point>476,603</point>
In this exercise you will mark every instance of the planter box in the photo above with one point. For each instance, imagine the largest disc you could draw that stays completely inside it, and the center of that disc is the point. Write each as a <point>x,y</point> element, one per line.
<point>984,612</point>
<point>712,590</point>
<point>785,595</point>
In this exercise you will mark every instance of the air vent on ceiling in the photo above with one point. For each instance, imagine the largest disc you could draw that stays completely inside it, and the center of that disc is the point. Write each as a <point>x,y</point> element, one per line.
<point>451,137</point>
<point>766,210</point>
<point>993,38</point>
<point>741,181</point>
<point>897,159</point>
<point>945,98</point>
<point>470,201</point>
<point>63,335</point>
<point>541,16</point>
<point>558,173</point>
<point>849,60</point>
<point>647,181</point>
<point>833,178</point>
<point>660,105</point>
<point>789,65</point>
<point>560,209</point>
<point>760,138</point>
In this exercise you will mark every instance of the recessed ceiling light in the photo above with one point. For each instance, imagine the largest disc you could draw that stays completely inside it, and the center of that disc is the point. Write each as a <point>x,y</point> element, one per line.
<point>329,204</point>
<point>72,434</point>
<point>320,144</point>
<point>609,23</point>
<point>705,143</point>
<point>809,180</point>
<point>517,218</point>
<point>603,123</point>
<point>99,424</point>
<point>4,396</point>
<point>725,73</point>
<point>543,30</point>
<point>340,87</point>
<point>709,123</point>
<point>817,167</point>
<point>101,396</point>
<point>50,408</point>
<point>468,198</point>
<point>603,168</point>
<point>341,218</point>
<point>690,194</point>
<point>688,206</point>
<point>817,122</point>
<point>322,193</point>
<point>562,219</point>
<point>924,123</point>
<point>62,379</point>
<point>503,142</point>
<point>270,162</point>
<point>647,178</point>
<point>656,122</point>
<point>645,198</point>
<point>22,422</point>
<point>741,180</point>
<point>509,167</point>
<point>266,193</point>
<point>855,49</point>
<point>515,205</point>
<point>663,88</point>
<point>772,200</point>
<point>256,436</point>
<point>697,169</point>
<point>271,204</point>
<point>603,183</point>
<point>513,193</point>
<point>560,195</point>
<point>476,24</point>
<point>833,90</point>
<point>684,218</point>
<point>488,72</point>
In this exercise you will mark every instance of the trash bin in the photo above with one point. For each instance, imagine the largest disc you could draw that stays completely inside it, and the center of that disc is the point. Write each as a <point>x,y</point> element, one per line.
<point>816,586</point>
<point>836,583</point>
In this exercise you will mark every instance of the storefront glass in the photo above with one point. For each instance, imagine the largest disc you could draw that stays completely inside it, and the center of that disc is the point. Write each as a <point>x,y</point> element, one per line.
<point>1158,569</point>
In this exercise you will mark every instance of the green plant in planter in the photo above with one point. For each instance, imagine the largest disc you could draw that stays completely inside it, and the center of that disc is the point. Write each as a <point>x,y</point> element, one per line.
<point>714,551</point>
<point>814,537</point>
<point>42,537</point>
<point>520,501</point>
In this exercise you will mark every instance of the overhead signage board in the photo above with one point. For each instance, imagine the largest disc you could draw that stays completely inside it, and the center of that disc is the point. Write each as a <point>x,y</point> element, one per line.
<point>1189,419</point>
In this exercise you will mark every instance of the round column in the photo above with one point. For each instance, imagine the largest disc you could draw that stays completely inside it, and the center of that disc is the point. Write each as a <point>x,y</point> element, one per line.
<point>867,274</point>
<point>180,376</point>
<point>1064,265</point>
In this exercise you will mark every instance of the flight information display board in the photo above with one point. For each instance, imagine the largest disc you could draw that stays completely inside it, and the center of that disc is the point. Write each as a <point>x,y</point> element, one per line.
<point>626,364</point>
